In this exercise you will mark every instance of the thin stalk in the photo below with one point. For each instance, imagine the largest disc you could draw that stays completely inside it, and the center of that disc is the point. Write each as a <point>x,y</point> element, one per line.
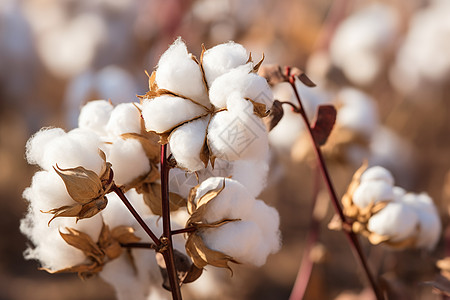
<point>135,214</point>
<point>139,245</point>
<point>184,230</point>
<point>167,232</point>
<point>306,265</point>
<point>353,239</point>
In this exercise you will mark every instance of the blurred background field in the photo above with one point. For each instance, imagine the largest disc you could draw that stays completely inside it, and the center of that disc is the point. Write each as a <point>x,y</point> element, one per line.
<point>55,55</point>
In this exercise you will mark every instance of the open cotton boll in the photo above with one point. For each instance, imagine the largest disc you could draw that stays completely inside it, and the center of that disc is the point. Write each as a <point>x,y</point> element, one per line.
<point>128,160</point>
<point>116,214</point>
<point>237,136</point>
<point>240,80</point>
<point>396,220</point>
<point>95,115</point>
<point>429,221</point>
<point>222,58</point>
<point>121,275</point>
<point>252,174</point>
<point>358,112</point>
<point>240,240</point>
<point>165,112</point>
<point>233,202</point>
<point>398,193</point>
<point>377,173</point>
<point>125,118</point>
<point>372,191</point>
<point>186,143</point>
<point>36,145</point>
<point>179,73</point>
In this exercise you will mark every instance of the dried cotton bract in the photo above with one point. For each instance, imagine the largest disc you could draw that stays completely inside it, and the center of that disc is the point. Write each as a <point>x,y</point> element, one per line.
<point>386,213</point>
<point>208,108</point>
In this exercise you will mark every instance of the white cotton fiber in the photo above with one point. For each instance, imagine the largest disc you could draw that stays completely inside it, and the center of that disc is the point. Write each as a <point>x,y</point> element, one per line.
<point>377,173</point>
<point>396,220</point>
<point>252,174</point>
<point>241,81</point>
<point>128,160</point>
<point>186,144</point>
<point>95,115</point>
<point>240,135</point>
<point>165,112</point>
<point>222,58</point>
<point>372,191</point>
<point>36,145</point>
<point>358,112</point>
<point>430,223</point>
<point>233,202</point>
<point>179,73</point>
<point>125,118</point>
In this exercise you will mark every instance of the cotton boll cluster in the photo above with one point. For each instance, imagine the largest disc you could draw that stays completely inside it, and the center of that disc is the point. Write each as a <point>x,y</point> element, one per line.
<point>252,236</point>
<point>214,104</point>
<point>396,217</point>
<point>424,46</point>
<point>362,40</point>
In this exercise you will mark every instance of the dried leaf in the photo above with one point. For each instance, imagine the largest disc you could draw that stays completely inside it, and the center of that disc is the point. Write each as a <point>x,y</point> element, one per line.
<point>258,65</point>
<point>64,211</point>
<point>84,271</point>
<point>124,235</point>
<point>92,208</point>
<point>152,197</point>
<point>259,109</point>
<point>193,274</point>
<point>323,124</point>
<point>83,242</point>
<point>272,73</point>
<point>205,153</point>
<point>82,185</point>
<point>201,255</point>
<point>275,115</point>
<point>302,77</point>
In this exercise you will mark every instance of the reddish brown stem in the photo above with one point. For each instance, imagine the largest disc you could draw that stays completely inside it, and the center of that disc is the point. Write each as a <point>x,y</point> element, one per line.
<point>135,214</point>
<point>353,239</point>
<point>184,230</point>
<point>139,245</point>
<point>306,265</point>
<point>167,232</point>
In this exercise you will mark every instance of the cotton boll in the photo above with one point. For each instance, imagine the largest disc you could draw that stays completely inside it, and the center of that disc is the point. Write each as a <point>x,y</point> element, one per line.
<point>128,160</point>
<point>430,223</point>
<point>252,174</point>
<point>240,240</point>
<point>232,202</point>
<point>165,112</point>
<point>116,214</point>
<point>242,81</point>
<point>181,182</point>
<point>398,193</point>
<point>36,145</point>
<point>222,58</point>
<point>125,118</point>
<point>358,112</point>
<point>377,173</point>
<point>396,220</point>
<point>372,191</point>
<point>237,136</point>
<point>186,143</point>
<point>179,73</point>
<point>95,115</point>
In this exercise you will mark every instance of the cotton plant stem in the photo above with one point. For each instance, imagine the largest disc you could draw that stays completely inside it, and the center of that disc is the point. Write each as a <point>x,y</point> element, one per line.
<point>306,265</point>
<point>135,214</point>
<point>167,232</point>
<point>353,239</point>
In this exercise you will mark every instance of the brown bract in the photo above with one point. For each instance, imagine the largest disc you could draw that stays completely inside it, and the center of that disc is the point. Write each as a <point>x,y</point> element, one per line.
<point>86,188</point>
<point>201,254</point>
<point>107,248</point>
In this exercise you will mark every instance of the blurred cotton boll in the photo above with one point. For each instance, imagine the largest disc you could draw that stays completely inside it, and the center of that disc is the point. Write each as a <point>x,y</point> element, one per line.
<point>362,40</point>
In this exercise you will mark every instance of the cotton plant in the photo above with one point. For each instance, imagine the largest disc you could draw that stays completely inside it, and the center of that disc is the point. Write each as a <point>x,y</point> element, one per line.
<point>208,113</point>
<point>388,214</point>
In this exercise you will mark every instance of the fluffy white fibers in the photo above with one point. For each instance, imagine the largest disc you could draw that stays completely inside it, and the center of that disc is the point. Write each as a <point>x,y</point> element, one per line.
<point>165,112</point>
<point>372,191</point>
<point>396,220</point>
<point>377,173</point>
<point>125,118</point>
<point>94,116</point>
<point>78,147</point>
<point>179,73</point>
<point>222,58</point>
<point>252,174</point>
<point>128,160</point>
<point>186,142</point>
<point>430,224</point>
<point>241,80</point>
